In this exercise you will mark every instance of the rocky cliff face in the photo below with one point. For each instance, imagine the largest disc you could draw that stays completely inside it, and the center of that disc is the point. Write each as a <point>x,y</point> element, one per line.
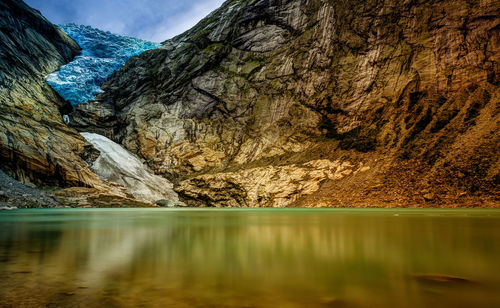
<point>318,103</point>
<point>35,145</point>
<point>274,103</point>
<point>409,91</point>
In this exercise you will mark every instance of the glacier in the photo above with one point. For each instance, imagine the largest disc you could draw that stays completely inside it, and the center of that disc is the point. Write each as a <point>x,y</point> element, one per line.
<point>118,165</point>
<point>102,54</point>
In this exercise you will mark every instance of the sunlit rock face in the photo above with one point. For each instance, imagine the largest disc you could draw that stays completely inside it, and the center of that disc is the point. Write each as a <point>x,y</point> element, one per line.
<point>102,54</point>
<point>259,91</point>
<point>118,165</point>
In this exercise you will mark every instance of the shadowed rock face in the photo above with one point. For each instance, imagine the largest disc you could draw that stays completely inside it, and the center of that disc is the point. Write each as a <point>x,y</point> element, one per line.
<point>262,101</point>
<point>35,145</point>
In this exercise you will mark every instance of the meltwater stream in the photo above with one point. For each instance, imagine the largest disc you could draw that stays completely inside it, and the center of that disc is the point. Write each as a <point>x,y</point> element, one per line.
<point>250,258</point>
<point>102,54</point>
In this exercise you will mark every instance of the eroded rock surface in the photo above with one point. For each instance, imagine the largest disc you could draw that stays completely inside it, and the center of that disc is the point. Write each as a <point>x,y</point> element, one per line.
<point>269,186</point>
<point>236,109</point>
<point>35,144</point>
<point>258,89</point>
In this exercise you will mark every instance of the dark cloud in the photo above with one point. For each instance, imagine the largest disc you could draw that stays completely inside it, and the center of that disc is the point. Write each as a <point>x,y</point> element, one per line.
<point>154,20</point>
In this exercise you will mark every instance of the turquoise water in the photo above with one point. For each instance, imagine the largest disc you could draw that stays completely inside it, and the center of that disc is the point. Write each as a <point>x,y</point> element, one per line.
<point>250,258</point>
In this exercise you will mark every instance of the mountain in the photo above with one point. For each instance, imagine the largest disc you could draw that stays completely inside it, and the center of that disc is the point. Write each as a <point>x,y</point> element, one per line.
<point>35,144</point>
<point>272,103</point>
<point>317,103</point>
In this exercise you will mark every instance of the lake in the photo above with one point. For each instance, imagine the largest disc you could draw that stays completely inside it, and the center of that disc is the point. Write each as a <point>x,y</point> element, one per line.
<point>250,258</point>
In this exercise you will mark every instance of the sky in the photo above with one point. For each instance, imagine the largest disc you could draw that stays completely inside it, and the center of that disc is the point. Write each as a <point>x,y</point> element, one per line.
<point>152,20</point>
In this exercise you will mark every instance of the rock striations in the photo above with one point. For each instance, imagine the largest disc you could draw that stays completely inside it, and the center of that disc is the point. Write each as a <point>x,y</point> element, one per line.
<point>35,144</point>
<point>280,103</point>
<point>318,103</point>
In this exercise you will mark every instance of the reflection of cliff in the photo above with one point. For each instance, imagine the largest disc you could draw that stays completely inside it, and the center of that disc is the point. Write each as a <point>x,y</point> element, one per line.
<point>187,255</point>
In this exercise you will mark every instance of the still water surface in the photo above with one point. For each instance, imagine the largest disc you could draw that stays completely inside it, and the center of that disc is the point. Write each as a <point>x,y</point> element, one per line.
<point>250,258</point>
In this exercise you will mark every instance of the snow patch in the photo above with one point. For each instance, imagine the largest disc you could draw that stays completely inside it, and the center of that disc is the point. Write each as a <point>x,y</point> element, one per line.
<point>118,165</point>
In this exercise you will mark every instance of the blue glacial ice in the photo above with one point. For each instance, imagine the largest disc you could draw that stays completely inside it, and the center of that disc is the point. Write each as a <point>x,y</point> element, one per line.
<point>102,53</point>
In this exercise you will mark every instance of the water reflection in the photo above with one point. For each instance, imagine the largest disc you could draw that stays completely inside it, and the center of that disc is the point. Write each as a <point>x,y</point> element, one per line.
<point>262,258</point>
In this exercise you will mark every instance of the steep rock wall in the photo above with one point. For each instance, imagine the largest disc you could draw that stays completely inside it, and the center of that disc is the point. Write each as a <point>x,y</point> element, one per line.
<point>35,145</point>
<point>260,91</point>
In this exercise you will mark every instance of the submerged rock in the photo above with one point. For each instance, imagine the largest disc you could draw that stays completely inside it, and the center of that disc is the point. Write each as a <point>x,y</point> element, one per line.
<point>441,279</point>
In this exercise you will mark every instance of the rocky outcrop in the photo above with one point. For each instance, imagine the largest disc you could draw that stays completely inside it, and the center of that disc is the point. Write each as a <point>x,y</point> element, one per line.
<point>110,195</point>
<point>14,194</point>
<point>269,186</point>
<point>35,144</point>
<point>240,109</point>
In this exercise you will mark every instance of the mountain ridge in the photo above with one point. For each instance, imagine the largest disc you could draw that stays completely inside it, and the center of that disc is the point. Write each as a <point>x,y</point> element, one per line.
<point>36,146</point>
<point>261,90</point>
<point>305,103</point>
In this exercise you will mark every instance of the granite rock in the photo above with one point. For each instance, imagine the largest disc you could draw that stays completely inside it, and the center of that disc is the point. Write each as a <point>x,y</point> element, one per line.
<point>258,89</point>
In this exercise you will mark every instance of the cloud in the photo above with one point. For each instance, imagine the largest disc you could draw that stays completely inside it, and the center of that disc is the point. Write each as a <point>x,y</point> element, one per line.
<point>154,20</point>
<point>185,20</point>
